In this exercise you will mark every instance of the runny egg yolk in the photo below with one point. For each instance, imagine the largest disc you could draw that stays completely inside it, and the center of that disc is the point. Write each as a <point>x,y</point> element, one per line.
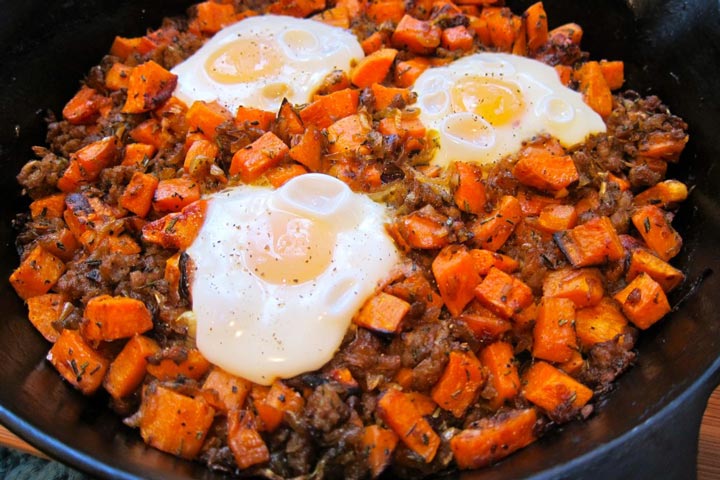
<point>243,60</point>
<point>496,101</point>
<point>285,248</point>
<point>277,275</point>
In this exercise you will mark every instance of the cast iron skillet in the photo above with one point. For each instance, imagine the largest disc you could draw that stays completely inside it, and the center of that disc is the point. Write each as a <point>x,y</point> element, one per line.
<point>648,428</point>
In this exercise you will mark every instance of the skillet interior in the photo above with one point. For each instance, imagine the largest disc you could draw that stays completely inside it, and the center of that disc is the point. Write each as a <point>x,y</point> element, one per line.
<point>648,427</point>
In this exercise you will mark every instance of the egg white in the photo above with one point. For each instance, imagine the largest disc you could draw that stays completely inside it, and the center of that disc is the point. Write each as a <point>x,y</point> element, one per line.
<point>548,108</point>
<point>263,330</point>
<point>280,57</point>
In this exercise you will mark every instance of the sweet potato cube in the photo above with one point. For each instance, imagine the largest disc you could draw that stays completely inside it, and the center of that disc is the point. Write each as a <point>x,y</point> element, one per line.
<point>37,273</point>
<point>347,136</point>
<point>128,369</point>
<point>555,218</point>
<point>492,232</point>
<point>387,97</point>
<point>149,86</point>
<point>328,109</point>
<point>503,294</point>
<point>174,423</point>
<point>486,259</point>
<point>138,194</point>
<point>174,194</point>
<point>470,191</point>
<point>642,261</point>
<point>205,117</point>
<point>460,383</point>
<point>554,336</point>
<point>492,439</point>
<point>485,325</point>
<point>84,107</point>
<point>552,390</point>
<point>456,277</point>
<point>176,230</point>
<point>600,323</point>
<point>254,117</point>
<point>137,153</point>
<point>258,157</point>
<point>246,444</point>
<point>43,311</point>
<point>407,71</point>
<point>425,229</point>
<point>594,87</point>
<point>373,68</point>
<point>382,313</point>
<point>52,206</point>
<point>118,77</point>
<point>200,157</point>
<point>191,365</point>
<point>228,392</point>
<point>542,169</point>
<point>270,417</point>
<point>592,243</point>
<point>643,301</point>
<point>657,232</point>
<point>498,359</point>
<point>77,362</point>
<point>308,150</point>
<point>212,17</point>
<point>87,163</point>
<point>418,36</point>
<point>397,410</point>
<point>108,318</point>
<point>663,194</point>
<point>583,286</point>
<point>378,444</point>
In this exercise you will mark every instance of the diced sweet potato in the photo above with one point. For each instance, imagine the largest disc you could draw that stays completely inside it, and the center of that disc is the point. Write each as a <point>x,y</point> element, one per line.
<point>600,323</point>
<point>498,359</point>
<point>382,313</point>
<point>190,365</point>
<point>378,444</point>
<point>456,276</point>
<point>43,311</point>
<point>174,423</point>
<point>401,415</point>
<point>176,230</point>
<point>592,243</point>
<point>108,318</point>
<point>174,194</point>
<point>51,206</point>
<point>77,362</point>
<point>258,157</point>
<point>554,333</point>
<point>492,231</point>
<point>642,261</point>
<point>492,439</point>
<point>657,232</point>
<point>554,391</point>
<point>459,385</point>
<point>584,286</point>
<point>246,444</point>
<point>643,301</point>
<point>138,195</point>
<point>127,370</point>
<point>503,294</point>
<point>149,86</point>
<point>227,392</point>
<point>37,273</point>
<point>425,229</point>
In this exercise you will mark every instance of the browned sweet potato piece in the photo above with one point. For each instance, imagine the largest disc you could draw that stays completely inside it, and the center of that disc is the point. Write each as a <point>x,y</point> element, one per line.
<point>172,422</point>
<point>77,362</point>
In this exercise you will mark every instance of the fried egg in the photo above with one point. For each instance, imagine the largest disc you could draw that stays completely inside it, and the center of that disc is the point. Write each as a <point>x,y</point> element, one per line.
<point>258,61</point>
<point>482,107</point>
<point>279,274</point>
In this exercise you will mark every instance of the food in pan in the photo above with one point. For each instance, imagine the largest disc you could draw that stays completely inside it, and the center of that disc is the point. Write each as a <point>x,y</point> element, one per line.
<point>346,238</point>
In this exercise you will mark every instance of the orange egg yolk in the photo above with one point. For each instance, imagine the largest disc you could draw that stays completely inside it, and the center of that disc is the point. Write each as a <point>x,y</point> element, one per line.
<point>497,101</point>
<point>242,60</point>
<point>289,249</point>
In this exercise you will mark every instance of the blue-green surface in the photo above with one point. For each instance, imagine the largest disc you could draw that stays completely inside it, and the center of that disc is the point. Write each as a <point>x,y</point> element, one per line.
<point>19,466</point>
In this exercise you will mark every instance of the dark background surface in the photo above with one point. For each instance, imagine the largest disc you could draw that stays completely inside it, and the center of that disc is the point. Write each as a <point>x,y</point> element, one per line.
<point>646,429</point>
